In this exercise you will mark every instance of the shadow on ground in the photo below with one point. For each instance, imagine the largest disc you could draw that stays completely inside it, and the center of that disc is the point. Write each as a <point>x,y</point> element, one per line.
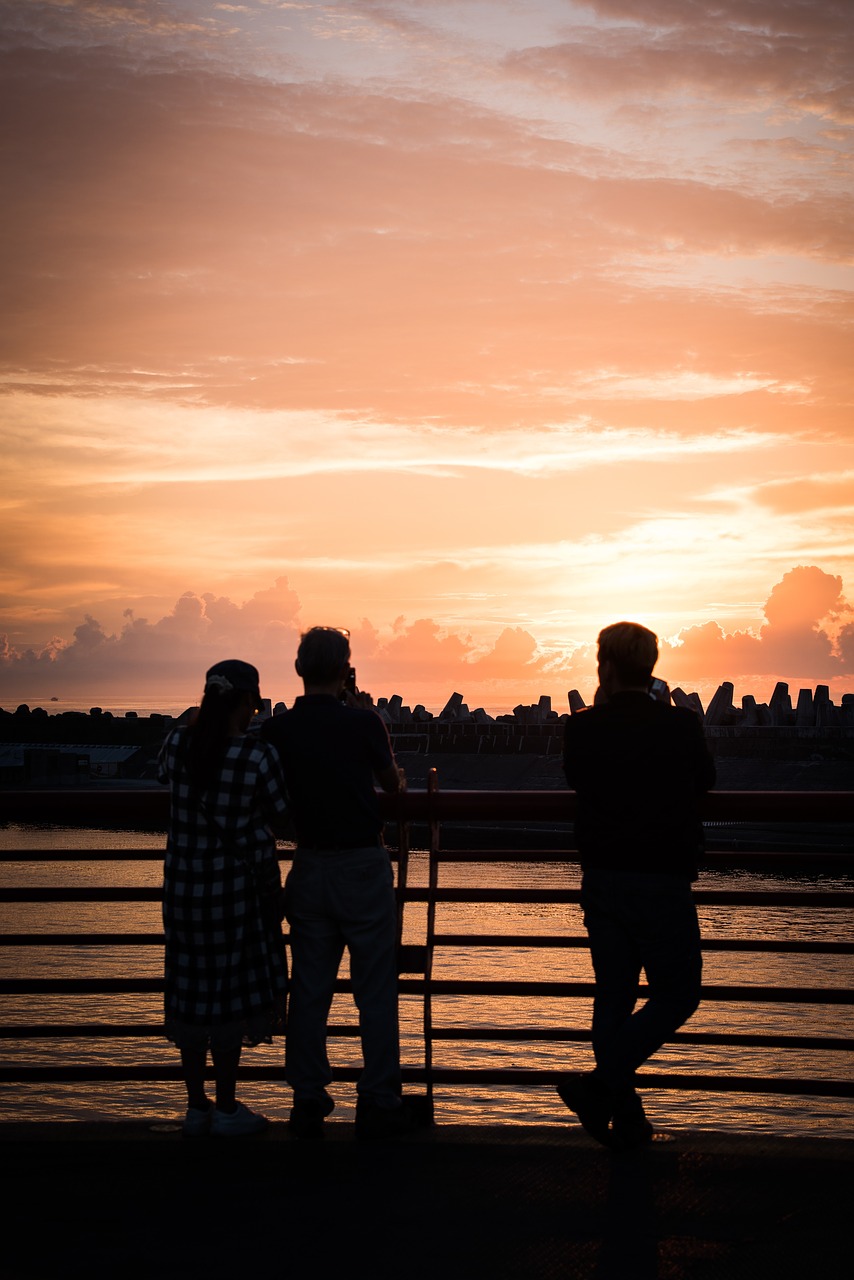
<point>137,1202</point>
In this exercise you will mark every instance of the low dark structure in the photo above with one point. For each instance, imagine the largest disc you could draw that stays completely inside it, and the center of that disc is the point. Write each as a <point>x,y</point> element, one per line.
<point>804,744</point>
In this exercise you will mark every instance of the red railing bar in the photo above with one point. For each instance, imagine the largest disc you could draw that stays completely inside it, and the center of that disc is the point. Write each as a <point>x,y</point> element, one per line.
<point>152,804</point>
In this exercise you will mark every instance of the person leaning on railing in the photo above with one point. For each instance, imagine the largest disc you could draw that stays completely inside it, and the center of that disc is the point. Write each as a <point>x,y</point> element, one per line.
<point>225,966</point>
<point>639,767</point>
<point>340,890</point>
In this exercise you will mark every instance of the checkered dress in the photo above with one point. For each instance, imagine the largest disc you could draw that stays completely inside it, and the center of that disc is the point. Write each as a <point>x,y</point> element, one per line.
<point>226,969</point>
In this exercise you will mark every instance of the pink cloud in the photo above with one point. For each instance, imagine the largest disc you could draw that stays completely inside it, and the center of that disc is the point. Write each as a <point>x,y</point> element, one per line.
<point>806,634</point>
<point>800,17</point>
<point>810,493</point>
<point>736,52</point>
<point>243,242</point>
<point>802,614</point>
<point>170,654</point>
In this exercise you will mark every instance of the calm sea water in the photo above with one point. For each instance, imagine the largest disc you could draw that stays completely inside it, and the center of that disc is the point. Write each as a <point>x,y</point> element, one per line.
<point>756,1113</point>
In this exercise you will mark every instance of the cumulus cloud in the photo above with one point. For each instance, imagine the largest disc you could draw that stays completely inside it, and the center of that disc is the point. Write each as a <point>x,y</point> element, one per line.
<point>421,650</point>
<point>169,654</point>
<point>807,634</point>
<point>514,656</point>
<point>802,636</point>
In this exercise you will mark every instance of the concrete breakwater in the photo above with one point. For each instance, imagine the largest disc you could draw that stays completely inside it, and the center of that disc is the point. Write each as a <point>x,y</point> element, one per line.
<point>805,743</point>
<point>812,709</point>
<point>802,744</point>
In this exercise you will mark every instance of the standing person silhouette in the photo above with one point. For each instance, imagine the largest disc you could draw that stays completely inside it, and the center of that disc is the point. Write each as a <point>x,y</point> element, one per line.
<point>340,890</point>
<point>639,768</point>
<point>225,967</point>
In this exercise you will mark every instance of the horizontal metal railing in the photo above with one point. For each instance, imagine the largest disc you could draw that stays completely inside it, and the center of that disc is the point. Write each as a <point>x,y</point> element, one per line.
<point>149,806</point>
<point>434,808</point>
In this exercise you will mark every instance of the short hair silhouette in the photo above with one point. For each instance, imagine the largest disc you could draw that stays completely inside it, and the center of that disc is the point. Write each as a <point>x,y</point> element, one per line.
<point>322,653</point>
<point>632,649</point>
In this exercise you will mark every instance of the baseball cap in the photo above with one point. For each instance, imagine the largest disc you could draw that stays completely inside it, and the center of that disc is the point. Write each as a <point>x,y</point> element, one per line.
<point>234,674</point>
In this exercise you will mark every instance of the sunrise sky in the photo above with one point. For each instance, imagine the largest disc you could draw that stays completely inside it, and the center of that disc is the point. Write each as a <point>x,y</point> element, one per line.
<point>472,326</point>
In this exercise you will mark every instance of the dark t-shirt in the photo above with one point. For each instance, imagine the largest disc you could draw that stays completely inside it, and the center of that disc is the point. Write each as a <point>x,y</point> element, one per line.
<point>639,768</point>
<point>330,754</point>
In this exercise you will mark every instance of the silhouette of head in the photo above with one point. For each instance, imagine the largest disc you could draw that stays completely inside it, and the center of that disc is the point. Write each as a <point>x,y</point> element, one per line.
<point>323,655</point>
<point>233,676</point>
<point>630,652</point>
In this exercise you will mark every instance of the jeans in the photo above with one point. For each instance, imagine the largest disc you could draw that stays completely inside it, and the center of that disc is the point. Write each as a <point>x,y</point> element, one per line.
<point>336,898</point>
<point>636,921</point>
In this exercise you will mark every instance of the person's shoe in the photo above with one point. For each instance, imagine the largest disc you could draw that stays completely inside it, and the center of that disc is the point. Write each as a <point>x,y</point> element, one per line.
<point>307,1117</point>
<point>373,1122</point>
<point>628,1134</point>
<point>590,1101</point>
<point>197,1123</point>
<point>629,1125</point>
<point>237,1124</point>
<point>421,1109</point>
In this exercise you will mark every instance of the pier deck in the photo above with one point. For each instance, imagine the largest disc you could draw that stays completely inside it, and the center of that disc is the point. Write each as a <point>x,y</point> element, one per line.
<point>135,1201</point>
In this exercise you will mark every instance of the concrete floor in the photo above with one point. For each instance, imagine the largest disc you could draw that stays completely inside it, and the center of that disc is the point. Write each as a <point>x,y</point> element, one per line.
<point>137,1202</point>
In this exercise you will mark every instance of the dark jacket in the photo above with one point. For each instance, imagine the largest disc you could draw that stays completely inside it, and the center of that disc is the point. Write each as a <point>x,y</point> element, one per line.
<point>330,754</point>
<point>639,768</point>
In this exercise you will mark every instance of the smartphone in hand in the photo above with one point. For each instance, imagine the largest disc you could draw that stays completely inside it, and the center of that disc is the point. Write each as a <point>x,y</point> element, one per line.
<point>349,684</point>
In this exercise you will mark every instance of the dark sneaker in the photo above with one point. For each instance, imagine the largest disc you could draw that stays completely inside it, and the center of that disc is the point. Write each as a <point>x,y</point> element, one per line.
<point>590,1101</point>
<point>421,1109</point>
<point>307,1117</point>
<point>373,1122</point>
<point>629,1125</point>
<point>197,1123</point>
<point>626,1135</point>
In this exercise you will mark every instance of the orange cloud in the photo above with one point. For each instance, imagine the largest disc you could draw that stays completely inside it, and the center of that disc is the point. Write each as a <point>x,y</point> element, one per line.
<point>363,252</point>
<point>810,493</point>
<point>806,635</point>
<point>793,639</point>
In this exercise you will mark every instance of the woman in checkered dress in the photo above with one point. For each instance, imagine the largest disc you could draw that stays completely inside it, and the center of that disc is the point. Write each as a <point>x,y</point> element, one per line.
<point>226,969</point>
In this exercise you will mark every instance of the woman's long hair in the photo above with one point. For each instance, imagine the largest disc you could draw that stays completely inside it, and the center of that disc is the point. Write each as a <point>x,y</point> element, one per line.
<point>208,735</point>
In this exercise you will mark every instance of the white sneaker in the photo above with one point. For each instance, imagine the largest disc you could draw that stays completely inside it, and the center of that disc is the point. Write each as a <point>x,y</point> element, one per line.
<point>238,1124</point>
<point>197,1124</point>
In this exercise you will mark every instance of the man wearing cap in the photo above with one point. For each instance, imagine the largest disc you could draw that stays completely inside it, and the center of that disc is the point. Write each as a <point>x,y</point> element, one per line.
<point>340,890</point>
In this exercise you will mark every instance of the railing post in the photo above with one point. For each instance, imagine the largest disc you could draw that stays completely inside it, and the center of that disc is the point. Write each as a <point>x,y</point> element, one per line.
<point>432,886</point>
<point>402,872</point>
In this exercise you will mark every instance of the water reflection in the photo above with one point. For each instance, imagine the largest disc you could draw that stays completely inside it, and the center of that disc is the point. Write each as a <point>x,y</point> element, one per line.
<point>472,1104</point>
